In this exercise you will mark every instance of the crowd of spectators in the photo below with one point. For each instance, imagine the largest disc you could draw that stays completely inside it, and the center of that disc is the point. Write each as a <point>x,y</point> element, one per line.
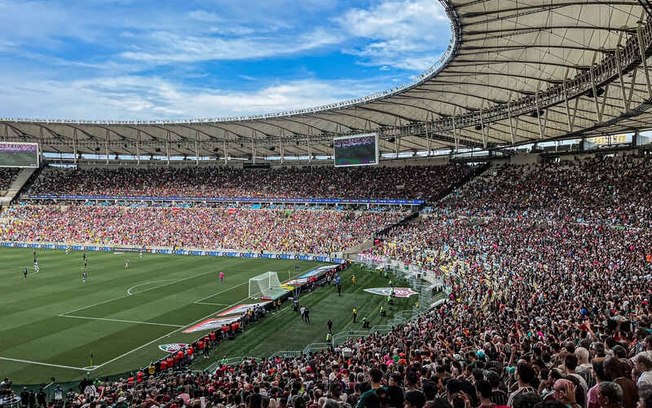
<point>608,190</point>
<point>7,176</point>
<point>549,307</point>
<point>411,182</point>
<point>550,271</point>
<point>304,231</point>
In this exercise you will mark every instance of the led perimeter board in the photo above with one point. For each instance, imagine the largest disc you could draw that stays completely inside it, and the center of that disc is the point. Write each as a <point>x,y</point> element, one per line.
<point>358,150</point>
<point>17,154</point>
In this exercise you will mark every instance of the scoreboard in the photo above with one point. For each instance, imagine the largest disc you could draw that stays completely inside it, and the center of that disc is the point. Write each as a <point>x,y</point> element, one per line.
<point>357,150</point>
<point>16,154</point>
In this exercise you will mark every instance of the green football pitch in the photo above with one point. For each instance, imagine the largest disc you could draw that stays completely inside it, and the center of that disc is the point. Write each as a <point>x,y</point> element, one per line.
<point>53,325</point>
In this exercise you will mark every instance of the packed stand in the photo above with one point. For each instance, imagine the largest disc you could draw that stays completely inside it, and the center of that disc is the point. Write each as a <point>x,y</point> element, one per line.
<point>417,182</point>
<point>303,231</point>
<point>606,190</point>
<point>544,311</point>
<point>550,274</point>
<point>7,176</point>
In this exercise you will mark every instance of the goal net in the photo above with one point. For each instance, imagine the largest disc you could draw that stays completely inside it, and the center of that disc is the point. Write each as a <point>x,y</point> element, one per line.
<point>265,286</point>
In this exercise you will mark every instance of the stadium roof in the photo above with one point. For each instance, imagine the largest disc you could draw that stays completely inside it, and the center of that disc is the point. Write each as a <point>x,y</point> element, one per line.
<point>516,71</point>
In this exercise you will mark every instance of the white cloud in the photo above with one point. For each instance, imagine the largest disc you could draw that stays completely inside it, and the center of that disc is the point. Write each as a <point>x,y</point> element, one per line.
<point>131,97</point>
<point>168,47</point>
<point>121,52</point>
<point>404,34</point>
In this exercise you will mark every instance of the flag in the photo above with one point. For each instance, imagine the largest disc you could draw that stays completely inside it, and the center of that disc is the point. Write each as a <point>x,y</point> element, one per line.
<point>90,358</point>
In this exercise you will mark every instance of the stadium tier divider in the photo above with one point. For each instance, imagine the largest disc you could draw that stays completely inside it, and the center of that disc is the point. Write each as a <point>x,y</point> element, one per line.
<point>173,251</point>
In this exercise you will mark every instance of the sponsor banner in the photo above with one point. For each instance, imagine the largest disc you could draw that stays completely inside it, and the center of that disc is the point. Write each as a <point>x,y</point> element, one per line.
<point>241,308</point>
<point>211,324</point>
<point>294,282</point>
<point>317,271</point>
<point>172,347</point>
<point>227,199</point>
<point>231,254</point>
<point>398,292</point>
<point>127,249</point>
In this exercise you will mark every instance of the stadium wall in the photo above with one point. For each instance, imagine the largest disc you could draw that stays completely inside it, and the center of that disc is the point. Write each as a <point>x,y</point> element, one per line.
<point>170,251</point>
<point>116,164</point>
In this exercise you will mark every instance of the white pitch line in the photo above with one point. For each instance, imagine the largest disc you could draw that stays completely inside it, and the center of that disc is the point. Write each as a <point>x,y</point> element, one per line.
<point>179,329</point>
<point>220,292</point>
<point>125,296</point>
<point>106,319</point>
<point>43,364</point>
<point>165,335</point>
<point>209,303</point>
<point>145,283</point>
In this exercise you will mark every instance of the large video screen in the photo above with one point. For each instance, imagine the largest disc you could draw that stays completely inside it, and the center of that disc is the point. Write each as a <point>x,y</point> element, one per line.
<point>15,154</point>
<point>358,150</point>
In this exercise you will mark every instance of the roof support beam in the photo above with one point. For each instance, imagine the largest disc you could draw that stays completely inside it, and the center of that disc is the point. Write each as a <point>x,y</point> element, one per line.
<point>253,149</point>
<point>167,146</point>
<point>280,145</point>
<point>309,146</point>
<point>604,101</point>
<point>538,114</point>
<point>568,117</point>
<point>196,148</point>
<point>619,64</point>
<point>482,129</point>
<point>456,136</point>
<point>632,87</point>
<point>106,145</point>
<point>598,119</point>
<point>641,51</point>
<point>226,153</point>
<point>74,145</point>
<point>511,127</point>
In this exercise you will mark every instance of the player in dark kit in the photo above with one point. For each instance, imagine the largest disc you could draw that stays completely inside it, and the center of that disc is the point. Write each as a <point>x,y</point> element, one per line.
<point>25,273</point>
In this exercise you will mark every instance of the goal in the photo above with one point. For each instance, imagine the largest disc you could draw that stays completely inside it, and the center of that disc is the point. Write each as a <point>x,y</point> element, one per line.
<point>265,286</point>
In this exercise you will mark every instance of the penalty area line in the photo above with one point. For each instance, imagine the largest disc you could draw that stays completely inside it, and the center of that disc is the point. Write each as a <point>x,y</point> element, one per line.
<point>126,296</point>
<point>165,335</point>
<point>188,325</point>
<point>130,290</point>
<point>201,301</point>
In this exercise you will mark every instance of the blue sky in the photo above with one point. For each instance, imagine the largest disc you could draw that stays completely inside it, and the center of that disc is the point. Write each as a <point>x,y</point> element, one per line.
<point>159,59</point>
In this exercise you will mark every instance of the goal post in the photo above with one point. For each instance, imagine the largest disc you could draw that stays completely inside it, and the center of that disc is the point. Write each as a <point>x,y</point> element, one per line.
<point>266,285</point>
